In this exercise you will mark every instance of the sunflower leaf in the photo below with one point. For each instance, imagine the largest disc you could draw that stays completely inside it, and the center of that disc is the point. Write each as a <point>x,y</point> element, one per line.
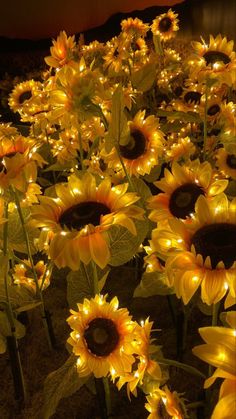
<point>118,132</point>
<point>61,383</point>
<point>16,238</point>
<point>152,283</point>
<point>5,328</point>
<point>123,244</point>
<point>144,78</point>
<point>183,116</point>
<point>80,284</point>
<point>18,296</point>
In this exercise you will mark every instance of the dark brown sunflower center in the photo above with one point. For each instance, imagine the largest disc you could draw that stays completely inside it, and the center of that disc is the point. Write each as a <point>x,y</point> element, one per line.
<point>231,161</point>
<point>25,96</point>
<point>183,199</point>
<point>135,147</point>
<point>193,97</point>
<point>101,336</point>
<point>212,57</point>
<point>213,110</point>
<point>84,213</point>
<point>217,241</point>
<point>165,24</point>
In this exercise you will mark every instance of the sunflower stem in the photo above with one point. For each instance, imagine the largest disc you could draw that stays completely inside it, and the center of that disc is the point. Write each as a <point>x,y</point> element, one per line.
<point>81,152</point>
<point>101,396</point>
<point>44,315</point>
<point>214,322</point>
<point>185,367</point>
<point>107,395</point>
<point>205,123</point>
<point>12,344</point>
<point>95,279</point>
<point>124,168</point>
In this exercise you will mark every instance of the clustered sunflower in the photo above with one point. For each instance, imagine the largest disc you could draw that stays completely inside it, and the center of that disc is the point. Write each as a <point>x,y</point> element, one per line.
<point>122,133</point>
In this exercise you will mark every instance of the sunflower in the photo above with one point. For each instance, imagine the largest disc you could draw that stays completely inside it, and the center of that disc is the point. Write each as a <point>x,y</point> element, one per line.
<point>220,352</point>
<point>134,27</point>
<point>162,403</point>
<point>80,217</point>
<point>226,161</point>
<point>143,365</point>
<point>18,162</point>
<point>93,53</point>
<point>61,51</point>
<point>216,59</point>
<point>179,148</point>
<point>165,25</point>
<point>182,185</point>
<point>102,337</point>
<point>115,56</point>
<point>190,98</point>
<point>23,275</point>
<point>202,252</point>
<point>23,95</point>
<point>143,149</point>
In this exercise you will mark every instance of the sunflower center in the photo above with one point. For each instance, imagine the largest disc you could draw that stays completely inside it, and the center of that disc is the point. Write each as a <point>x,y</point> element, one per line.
<point>213,110</point>
<point>192,97</point>
<point>183,199</point>
<point>25,96</point>
<point>165,24</point>
<point>217,241</point>
<point>212,57</point>
<point>78,216</point>
<point>231,161</point>
<point>101,336</point>
<point>135,147</point>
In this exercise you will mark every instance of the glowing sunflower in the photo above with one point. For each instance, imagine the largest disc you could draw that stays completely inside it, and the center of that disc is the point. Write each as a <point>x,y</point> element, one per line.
<point>165,25</point>
<point>134,27</point>
<point>190,98</point>
<point>182,186</point>
<point>115,55</point>
<point>61,51</point>
<point>215,59</point>
<point>202,252</point>
<point>226,160</point>
<point>80,217</point>
<point>220,351</point>
<point>162,403</point>
<point>180,148</point>
<point>18,162</point>
<point>143,365</point>
<point>23,275</point>
<point>144,146</point>
<point>102,337</point>
<point>23,95</point>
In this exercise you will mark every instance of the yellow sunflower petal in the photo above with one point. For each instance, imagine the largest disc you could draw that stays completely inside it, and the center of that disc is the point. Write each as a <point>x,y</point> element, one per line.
<point>225,408</point>
<point>99,249</point>
<point>217,355</point>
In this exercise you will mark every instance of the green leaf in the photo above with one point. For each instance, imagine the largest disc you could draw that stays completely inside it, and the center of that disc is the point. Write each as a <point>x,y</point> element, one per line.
<point>157,45</point>
<point>154,174</point>
<point>142,190</point>
<point>5,328</point>
<point>231,189</point>
<point>16,238</point>
<point>144,78</point>
<point>58,167</point>
<point>118,132</point>
<point>183,116</point>
<point>61,383</point>
<point>28,307</point>
<point>123,244</point>
<point>80,284</point>
<point>3,344</point>
<point>18,296</point>
<point>152,283</point>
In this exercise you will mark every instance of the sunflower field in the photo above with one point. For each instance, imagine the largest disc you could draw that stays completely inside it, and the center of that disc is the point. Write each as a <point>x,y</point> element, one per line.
<point>122,176</point>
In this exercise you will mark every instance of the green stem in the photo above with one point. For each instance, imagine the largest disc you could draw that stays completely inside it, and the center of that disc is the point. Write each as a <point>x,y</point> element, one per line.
<point>185,367</point>
<point>38,291</point>
<point>81,152</point>
<point>107,395</point>
<point>95,278</point>
<point>12,344</point>
<point>124,168</point>
<point>194,405</point>
<point>214,321</point>
<point>205,123</point>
